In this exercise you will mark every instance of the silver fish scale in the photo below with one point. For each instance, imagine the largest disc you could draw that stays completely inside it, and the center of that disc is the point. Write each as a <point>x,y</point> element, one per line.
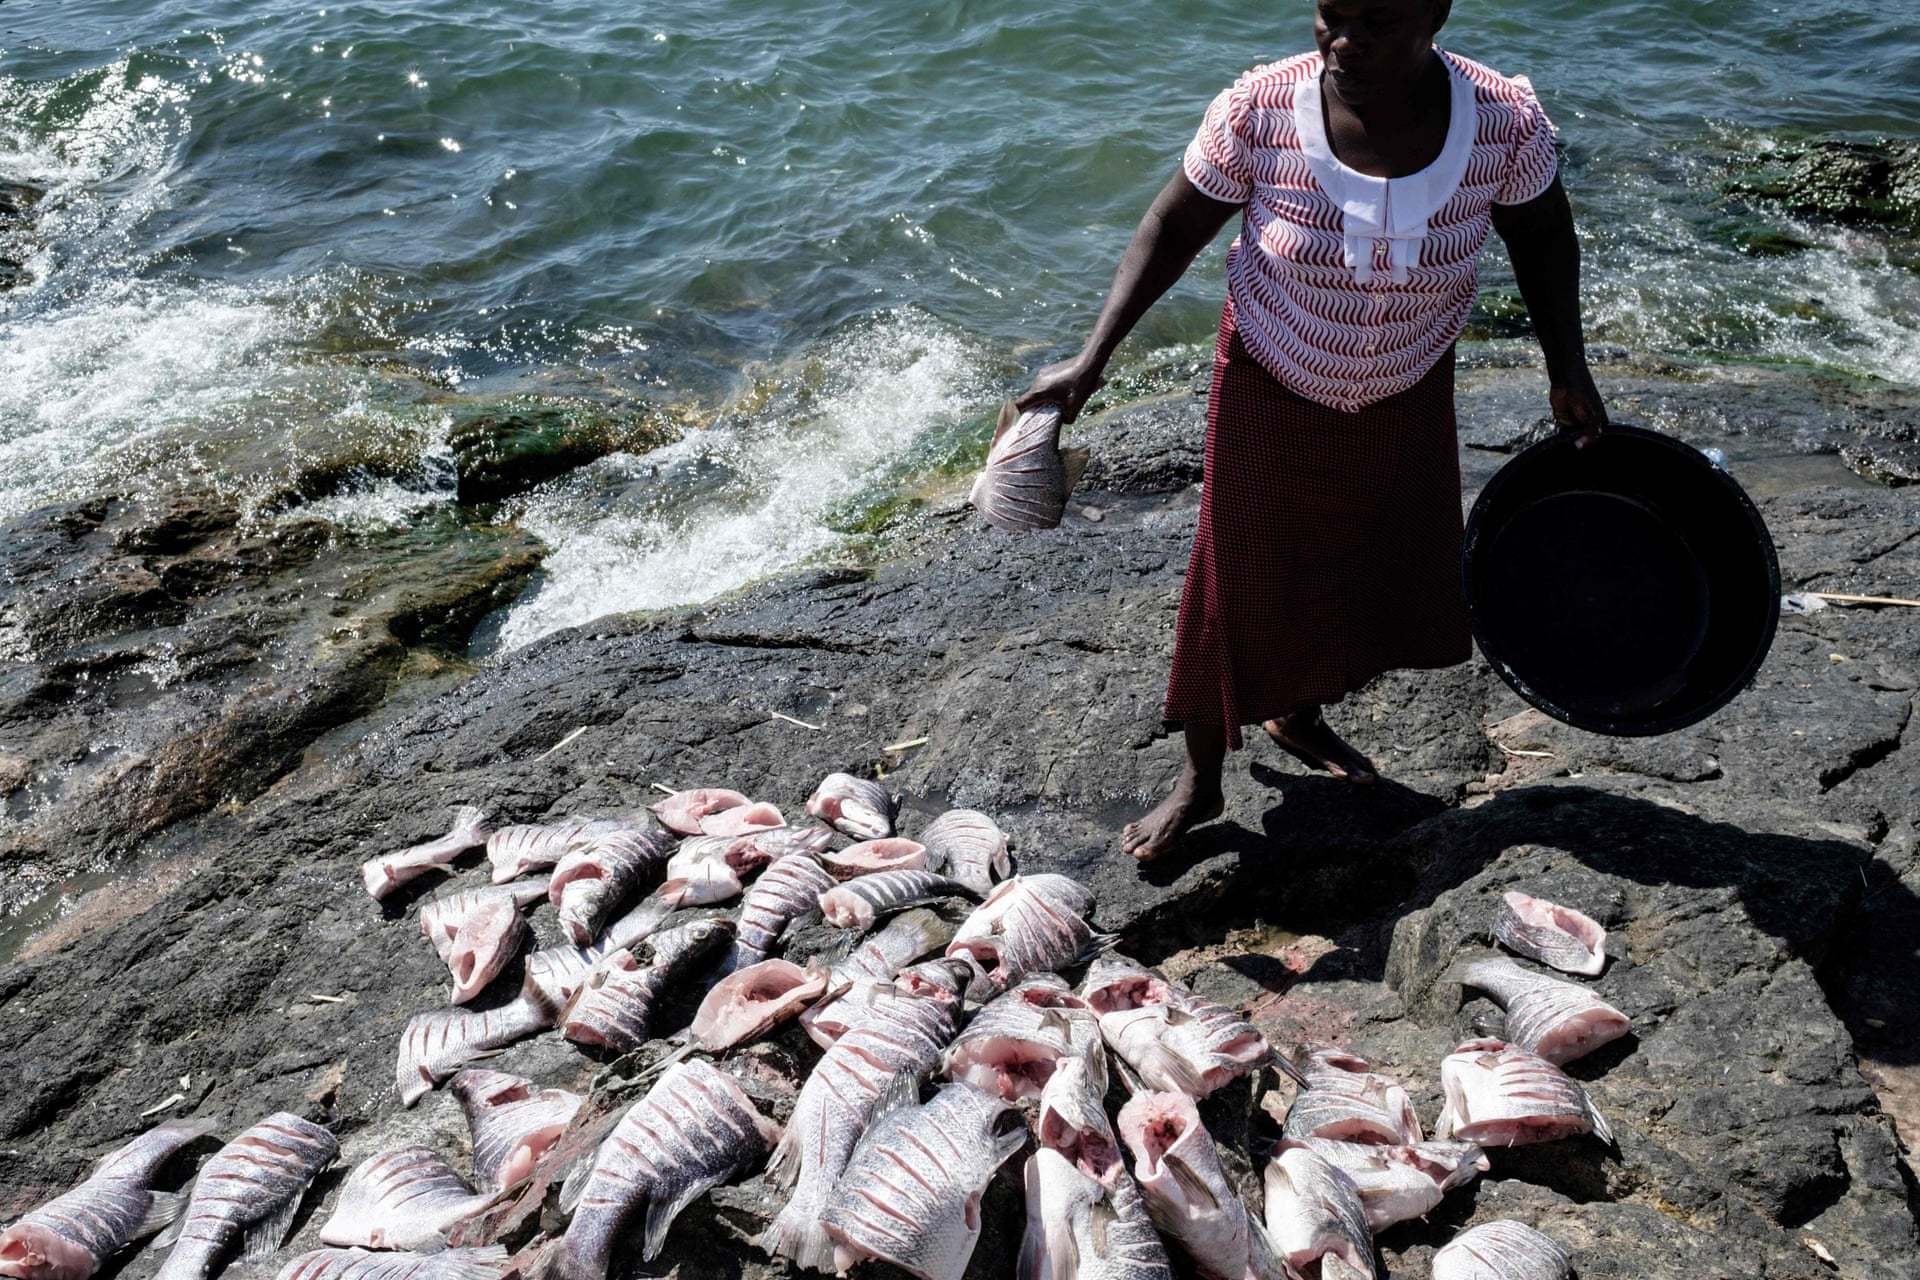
<point>615,1008</point>
<point>1502,1250</point>
<point>400,1199</point>
<point>105,1212</point>
<point>971,845</point>
<point>1024,484</point>
<point>1548,942</point>
<point>1041,1011</point>
<point>504,1111</point>
<point>900,1037</point>
<point>439,1042</point>
<point>1339,1101</point>
<point>260,1174</point>
<point>516,850</point>
<point>887,891</point>
<point>360,1264</point>
<point>1538,1007</point>
<point>790,889</point>
<point>384,874</point>
<point>860,807</point>
<point>903,939</point>
<point>623,859</point>
<point>1524,1087</point>
<point>1310,1204</point>
<point>1030,924</point>
<point>910,1194</point>
<point>693,1130</point>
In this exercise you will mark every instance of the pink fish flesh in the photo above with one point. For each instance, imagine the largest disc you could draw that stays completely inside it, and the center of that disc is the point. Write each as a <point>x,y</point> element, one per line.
<point>615,1008</point>
<point>880,956</point>
<point>1025,483</point>
<point>1173,1038</point>
<point>1086,1218</point>
<point>695,1129</point>
<point>250,1188</point>
<point>898,1040</point>
<point>1558,1020</point>
<point>477,931</point>
<point>439,1042</point>
<point>488,1263</point>
<point>1397,1184</point>
<point>69,1236</point>
<point>683,810</point>
<point>1314,1210</point>
<point>749,1002</point>
<point>1028,924</point>
<point>384,874</point>
<point>869,856</point>
<point>407,1198</point>
<point>790,890</point>
<point>859,807</point>
<point>1345,1099</point>
<point>970,847</point>
<point>600,872</point>
<point>514,851</point>
<point>513,1124</point>
<point>1499,1095</point>
<point>1557,936</point>
<point>1011,1047</point>
<point>912,1190</point>
<point>743,820</point>
<point>1502,1250</point>
<point>857,903</point>
<point>1187,1194</point>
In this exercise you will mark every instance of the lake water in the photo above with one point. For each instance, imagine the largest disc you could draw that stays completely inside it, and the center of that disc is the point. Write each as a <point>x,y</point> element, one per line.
<point>828,235</point>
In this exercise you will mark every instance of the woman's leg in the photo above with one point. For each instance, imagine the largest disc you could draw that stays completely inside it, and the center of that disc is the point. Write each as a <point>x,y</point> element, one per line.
<point>1196,797</point>
<point>1305,734</point>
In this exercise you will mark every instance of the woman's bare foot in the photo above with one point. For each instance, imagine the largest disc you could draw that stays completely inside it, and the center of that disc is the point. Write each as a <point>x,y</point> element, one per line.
<point>1194,801</point>
<point>1307,737</point>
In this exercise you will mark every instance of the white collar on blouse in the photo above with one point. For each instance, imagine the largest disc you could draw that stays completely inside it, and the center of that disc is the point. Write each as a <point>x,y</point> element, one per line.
<point>1393,210</point>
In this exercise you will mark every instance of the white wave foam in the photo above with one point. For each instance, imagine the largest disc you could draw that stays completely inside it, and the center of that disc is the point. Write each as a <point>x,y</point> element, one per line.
<point>882,387</point>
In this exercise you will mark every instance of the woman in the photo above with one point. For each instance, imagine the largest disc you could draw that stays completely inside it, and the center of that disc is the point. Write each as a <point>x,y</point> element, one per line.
<point>1367,176</point>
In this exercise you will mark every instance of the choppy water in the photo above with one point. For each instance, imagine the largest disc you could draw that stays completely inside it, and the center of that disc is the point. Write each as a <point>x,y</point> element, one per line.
<point>834,233</point>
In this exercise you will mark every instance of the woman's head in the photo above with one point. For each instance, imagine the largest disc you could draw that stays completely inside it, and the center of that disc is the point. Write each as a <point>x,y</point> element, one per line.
<point>1375,46</point>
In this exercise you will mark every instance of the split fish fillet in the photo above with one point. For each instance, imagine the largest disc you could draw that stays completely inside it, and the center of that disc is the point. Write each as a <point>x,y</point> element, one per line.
<point>250,1188</point>
<point>408,1198</point>
<point>682,811</point>
<point>869,856</point>
<point>749,1002</point>
<point>1187,1194</point>
<point>1344,1098</point>
<point>1502,1250</point>
<point>1013,1045</point>
<point>1398,1183</point>
<point>1086,1218</point>
<point>384,874</point>
<point>1558,1020</point>
<point>1557,936</point>
<point>1314,1210</point>
<point>742,820</point>
<point>859,807</point>
<point>488,1263</point>
<point>1172,1037</point>
<point>858,902</point>
<point>477,931</point>
<point>512,1122</point>
<point>1499,1095</point>
<point>437,1043</point>
<point>514,851</point>
<point>880,956</point>
<point>970,847</point>
<point>789,890</point>
<point>1028,924</point>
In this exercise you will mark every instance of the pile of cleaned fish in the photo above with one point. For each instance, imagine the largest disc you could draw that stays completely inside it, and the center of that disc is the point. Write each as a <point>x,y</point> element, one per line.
<point>952,1037</point>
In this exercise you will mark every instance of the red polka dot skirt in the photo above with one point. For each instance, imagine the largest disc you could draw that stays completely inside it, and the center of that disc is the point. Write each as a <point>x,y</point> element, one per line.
<point>1328,546</point>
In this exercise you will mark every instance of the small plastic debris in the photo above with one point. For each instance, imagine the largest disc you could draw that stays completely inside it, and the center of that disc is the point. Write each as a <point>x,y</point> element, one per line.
<point>1802,602</point>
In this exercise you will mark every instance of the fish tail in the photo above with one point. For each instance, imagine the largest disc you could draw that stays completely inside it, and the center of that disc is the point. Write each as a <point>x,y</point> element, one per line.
<point>797,1234</point>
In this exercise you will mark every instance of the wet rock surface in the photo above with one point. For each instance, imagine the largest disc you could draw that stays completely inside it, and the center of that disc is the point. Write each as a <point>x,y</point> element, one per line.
<point>1870,182</point>
<point>1760,873</point>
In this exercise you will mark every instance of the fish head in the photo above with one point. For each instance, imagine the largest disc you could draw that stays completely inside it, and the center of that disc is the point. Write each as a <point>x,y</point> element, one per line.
<point>945,979</point>
<point>1114,983</point>
<point>481,949</point>
<point>1073,1119</point>
<point>29,1251</point>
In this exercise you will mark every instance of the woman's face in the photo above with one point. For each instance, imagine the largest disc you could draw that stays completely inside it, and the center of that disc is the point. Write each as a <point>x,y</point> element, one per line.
<point>1375,47</point>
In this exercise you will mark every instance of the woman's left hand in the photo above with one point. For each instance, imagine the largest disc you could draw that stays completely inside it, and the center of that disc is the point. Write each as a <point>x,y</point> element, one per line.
<point>1579,409</point>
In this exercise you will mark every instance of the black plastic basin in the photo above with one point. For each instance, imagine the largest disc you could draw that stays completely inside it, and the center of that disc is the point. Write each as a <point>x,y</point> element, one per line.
<point>1629,588</point>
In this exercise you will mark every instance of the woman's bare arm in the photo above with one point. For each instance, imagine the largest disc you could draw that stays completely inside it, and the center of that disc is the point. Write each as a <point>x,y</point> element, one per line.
<point>1545,249</point>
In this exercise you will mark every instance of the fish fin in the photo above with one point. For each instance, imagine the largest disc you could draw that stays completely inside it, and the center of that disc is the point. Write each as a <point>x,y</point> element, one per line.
<point>661,1213</point>
<point>797,1234</point>
<point>478,1262</point>
<point>1191,1184</point>
<point>171,1231</point>
<point>163,1207</point>
<point>1443,1124</point>
<point>1289,1068</point>
<point>1601,1129</point>
<point>1074,461</point>
<point>264,1237</point>
<point>1097,945</point>
<point>574,1185</point>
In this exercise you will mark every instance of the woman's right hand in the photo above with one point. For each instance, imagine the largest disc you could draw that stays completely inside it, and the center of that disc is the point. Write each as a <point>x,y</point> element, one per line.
<point>1069,384</point>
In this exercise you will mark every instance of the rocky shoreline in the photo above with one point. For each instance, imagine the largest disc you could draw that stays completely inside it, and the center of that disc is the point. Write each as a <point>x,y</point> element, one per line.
<point>1762,870</point>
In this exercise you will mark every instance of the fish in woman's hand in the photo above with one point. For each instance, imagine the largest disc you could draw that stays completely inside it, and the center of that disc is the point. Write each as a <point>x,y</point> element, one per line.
<point>1346,1099</point>
<point>869,856</point>
<point>682,811</point>
<point>514,851</point>
<point>892,1044</point>
<point>69,1236</point>
<point>598,873</point>
<point>1558,937</point>
<point>1558,1020</point>
<point>970,847</point>
<point>1502,1250</point>
<point>1028,924</point>
<point>1172,1038</point>
<point>1086,1218</point>
<point>1188,1196</point>
<point>513,1123</point>
<point>1013,1045</point>
<point>858,902</point>
<point>488,1263</point>
<point>614,1008</point>
<point>695,1129</point>
<point>1499,1095</point>
<point>749,1002</point>
<point>879,956</point>
<point>858,807</point>
<point>790,890</point>
<point>1313,1211</point>
<point>911,1193</point>
<point>477,931</point>
<point>1398,1183</point>
<point>437,1043</point>
<point>251,1188</point>
<point>1025,483</point>
<point>384,874</point>
<point>407,1198</point>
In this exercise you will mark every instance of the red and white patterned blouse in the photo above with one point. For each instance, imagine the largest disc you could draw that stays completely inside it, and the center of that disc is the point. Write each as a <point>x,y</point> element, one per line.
<point>1346,287</point>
